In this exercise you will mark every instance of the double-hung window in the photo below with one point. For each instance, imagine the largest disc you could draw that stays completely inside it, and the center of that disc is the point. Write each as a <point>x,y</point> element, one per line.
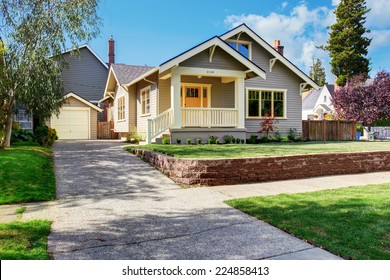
<point>121,108</point>
<point>266,103</point>
<point>145,101</point>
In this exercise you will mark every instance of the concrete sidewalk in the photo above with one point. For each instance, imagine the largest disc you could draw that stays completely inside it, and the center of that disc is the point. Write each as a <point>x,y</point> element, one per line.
<point>112,205</point>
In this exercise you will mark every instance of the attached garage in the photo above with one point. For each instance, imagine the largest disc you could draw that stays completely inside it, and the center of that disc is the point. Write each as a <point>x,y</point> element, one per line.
<point>77,119</point>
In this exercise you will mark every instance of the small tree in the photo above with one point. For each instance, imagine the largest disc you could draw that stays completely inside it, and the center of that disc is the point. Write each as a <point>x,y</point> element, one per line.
<point>317,72</point>
<point>268,125</point>
<point>362,102</point>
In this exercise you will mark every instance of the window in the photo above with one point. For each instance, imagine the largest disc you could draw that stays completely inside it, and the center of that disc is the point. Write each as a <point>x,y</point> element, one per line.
<point>325,98</point>
<point>263,103</point>
<point>145,101</point>
<point>121,108</point>
<point>244,48</point>
<point>24,119</point>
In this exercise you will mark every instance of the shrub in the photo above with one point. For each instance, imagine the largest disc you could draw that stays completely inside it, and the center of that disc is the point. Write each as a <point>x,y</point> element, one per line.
<point>198,141</point>
<point>268,125</point>
<point>299,139</point>
<point>217,141</point>
<point>292,134</point>
<point>242,141</point>
<point>166,140</point>
<point>188,141</point>
<point>252,139</point>
<point>45,136</point>
<point>228,139</point>
<point>212,139</point>
<point>264,139</point>
<point>133,137</point>
<point>178,140</point>
<point>238,140</point>
<point>20,135</point>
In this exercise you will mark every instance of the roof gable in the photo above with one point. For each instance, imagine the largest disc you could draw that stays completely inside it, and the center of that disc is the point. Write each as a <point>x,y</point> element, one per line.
<point>125,74</point>
<point>91,51</point>
<point>215,41</point>
<point>82,100</point>
<point>243,28</point>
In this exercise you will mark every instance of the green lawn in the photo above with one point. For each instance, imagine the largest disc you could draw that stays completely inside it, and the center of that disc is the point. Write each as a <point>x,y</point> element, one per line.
<point>24,241</point>
<point>351,222</point>
<point>26,174</point>
<point>269,149</point>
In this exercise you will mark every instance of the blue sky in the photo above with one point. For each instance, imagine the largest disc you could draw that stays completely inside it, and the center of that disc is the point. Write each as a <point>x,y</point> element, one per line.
<point>149,32</point>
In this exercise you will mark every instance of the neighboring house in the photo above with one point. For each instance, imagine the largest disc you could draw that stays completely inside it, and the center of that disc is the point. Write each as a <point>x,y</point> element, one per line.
<point>84,81</point>
<point>317,103</point>
<point>224,86</point>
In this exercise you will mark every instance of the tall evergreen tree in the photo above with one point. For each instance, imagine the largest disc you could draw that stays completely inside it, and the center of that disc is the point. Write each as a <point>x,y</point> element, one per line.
<point>317,72</point>
<point>348,42</point>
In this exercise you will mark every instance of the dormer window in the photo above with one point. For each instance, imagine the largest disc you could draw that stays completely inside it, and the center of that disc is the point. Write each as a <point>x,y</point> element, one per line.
<point>243,47</point>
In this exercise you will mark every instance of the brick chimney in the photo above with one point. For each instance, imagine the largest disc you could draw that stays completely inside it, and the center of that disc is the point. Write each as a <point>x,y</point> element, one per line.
<point>111,51</point>
<point>278,47</point>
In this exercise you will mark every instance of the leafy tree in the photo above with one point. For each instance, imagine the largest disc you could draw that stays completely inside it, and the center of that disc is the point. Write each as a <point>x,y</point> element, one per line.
<point>362,102</point>
<point>33,35</point>
<point>317,72</point>
<point>348,44</point>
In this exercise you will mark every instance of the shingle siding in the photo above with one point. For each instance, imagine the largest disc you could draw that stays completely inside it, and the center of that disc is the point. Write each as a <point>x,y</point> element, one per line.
<point>86,75</point>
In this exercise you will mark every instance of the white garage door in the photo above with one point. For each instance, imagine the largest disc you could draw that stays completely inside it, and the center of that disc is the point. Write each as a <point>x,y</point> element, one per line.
<point>71,124</point>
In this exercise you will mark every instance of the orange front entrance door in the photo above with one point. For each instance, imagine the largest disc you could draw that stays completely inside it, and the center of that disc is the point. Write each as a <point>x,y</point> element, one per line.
<point>193,96</point>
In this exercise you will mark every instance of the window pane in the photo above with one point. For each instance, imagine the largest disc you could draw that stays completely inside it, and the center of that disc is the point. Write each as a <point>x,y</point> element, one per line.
<point>253,108</point>
<point>244,50</point>
<point>204,92</point>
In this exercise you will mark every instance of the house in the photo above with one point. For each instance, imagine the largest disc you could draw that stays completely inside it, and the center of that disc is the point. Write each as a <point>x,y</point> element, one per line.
<point>84,81</point>
<point>224,86</point>
<point>317,103</point>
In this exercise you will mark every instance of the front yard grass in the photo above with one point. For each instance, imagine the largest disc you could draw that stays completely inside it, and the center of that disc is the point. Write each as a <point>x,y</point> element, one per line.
<point>24,241</point>
<point>266,149</point>
<point>26,174</point>
<point>351,222</point>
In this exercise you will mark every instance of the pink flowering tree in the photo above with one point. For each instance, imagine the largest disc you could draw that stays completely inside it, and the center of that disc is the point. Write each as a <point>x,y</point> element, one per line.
<point>362,102</point>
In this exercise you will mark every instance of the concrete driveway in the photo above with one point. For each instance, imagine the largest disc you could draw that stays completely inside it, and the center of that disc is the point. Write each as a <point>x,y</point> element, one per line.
<point>112,205</point>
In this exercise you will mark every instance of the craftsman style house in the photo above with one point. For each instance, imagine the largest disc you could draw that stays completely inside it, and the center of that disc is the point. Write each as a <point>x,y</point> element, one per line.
<point>224,86</point>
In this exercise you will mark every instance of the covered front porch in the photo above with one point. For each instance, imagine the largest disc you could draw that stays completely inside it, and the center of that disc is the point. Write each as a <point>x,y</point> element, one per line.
<point>202,101</point>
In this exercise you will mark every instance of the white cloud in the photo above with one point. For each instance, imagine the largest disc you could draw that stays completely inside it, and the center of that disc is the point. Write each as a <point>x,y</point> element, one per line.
<point>380,38</point>
<point>379,14</point>
<point>335,2</point>
<point>300,31</point>
<point>284,5</point>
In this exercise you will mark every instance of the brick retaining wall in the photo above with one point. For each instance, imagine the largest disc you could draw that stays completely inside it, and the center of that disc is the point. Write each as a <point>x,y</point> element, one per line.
<point>211,172</point>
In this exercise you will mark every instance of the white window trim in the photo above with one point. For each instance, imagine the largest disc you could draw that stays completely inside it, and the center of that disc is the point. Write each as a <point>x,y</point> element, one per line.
<point>208,86</point>
<point>142,91</point>
<point>242,43</point>
<point>123,109</point>
<point>266,89</point>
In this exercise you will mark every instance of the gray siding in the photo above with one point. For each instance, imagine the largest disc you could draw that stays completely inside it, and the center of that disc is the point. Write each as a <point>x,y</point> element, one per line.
<point>86,76</point>
<point>280,78</point>
<point>221,60</point>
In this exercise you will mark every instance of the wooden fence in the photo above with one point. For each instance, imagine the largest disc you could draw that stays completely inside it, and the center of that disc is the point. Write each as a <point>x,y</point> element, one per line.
<point>329,130</point>
<point>105,130</point>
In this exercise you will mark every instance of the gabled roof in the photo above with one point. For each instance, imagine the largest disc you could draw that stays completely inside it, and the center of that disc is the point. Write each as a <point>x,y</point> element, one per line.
<point>82,100</point>
<point>244,28</point>
<point>91,50</point>
<point>325,107</point>
<point>125,74</point>
<point>215,41</point>
<point>311,99</point>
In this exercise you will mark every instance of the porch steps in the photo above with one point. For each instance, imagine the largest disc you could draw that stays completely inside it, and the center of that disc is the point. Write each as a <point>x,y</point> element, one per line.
<point>159,139</point>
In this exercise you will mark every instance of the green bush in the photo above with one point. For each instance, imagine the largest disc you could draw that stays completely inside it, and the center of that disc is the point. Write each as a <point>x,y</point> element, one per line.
<point>188,141</point>
<point>198,141</point>
<point>178,140</point>
<point>228,139</point>
<point>133,137</point>
<point>45,136</point>
<point>292,134</point>
<point>242,141</point>
<point>252,139</point>
<point>20,135</point>
<point>381,123</point>
<point>212,139</point>
<point>166,140</point>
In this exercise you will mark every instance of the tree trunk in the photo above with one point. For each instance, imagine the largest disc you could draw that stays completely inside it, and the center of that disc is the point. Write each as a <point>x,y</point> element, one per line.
<point>8,124</point>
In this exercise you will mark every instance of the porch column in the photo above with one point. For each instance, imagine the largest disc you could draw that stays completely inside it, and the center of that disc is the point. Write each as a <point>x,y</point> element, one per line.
<point>175,100</point>
<point>240,101</point>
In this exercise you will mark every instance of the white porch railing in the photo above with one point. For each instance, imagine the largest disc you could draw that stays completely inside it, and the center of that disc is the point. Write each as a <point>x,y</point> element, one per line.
<point>209,117</point>
<point>159,125</point>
